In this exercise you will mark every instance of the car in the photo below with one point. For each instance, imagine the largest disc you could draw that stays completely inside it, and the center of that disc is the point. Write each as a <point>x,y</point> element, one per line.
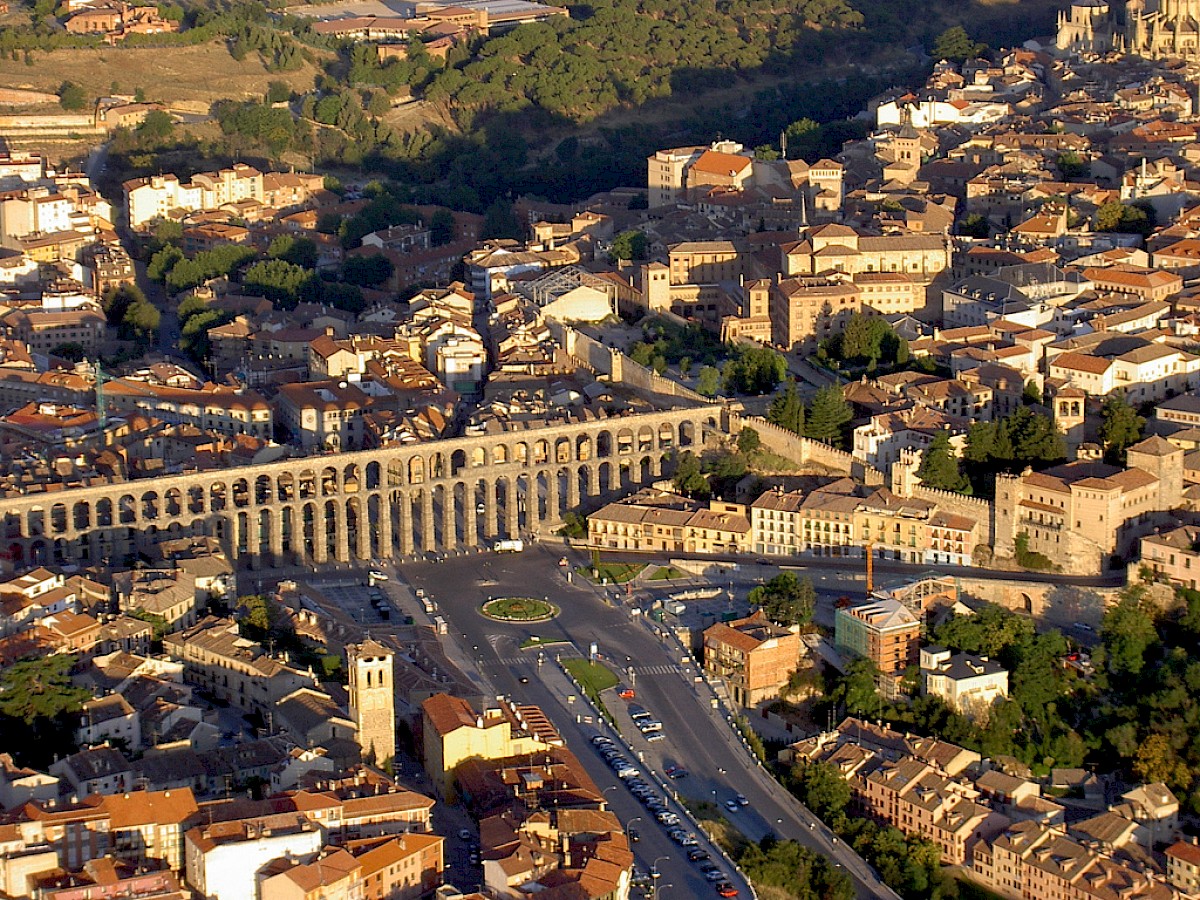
<point>732,805</point>
<point>655,736</point>
<point>625,693</point>
<point>689,841</point>
<point>697,855</point>
<point>474,857</point>
<point>633,834</point>
<point>523,679</point>
<point>707,866</point>
<point>464,834</point>
<point>725,889</point>
<point>639,876</point>
<point>741,800</point>
<point>377,575</point>
<point>715,875</point>
<point>676,772</point>
<point>599,739</point>
<point>677,835</point>
<point>563,563</point>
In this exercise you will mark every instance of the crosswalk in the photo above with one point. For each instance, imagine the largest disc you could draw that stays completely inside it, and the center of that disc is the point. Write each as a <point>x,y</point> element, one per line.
<point>656,670</point>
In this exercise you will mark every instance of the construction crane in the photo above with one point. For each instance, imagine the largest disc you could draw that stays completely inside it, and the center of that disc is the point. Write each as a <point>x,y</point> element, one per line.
<point>870,567</point>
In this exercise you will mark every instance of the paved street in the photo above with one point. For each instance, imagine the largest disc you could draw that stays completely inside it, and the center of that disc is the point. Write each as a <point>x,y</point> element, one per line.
<point>698,737</point>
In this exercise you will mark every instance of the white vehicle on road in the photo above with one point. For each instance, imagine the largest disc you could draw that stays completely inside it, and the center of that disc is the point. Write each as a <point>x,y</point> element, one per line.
<point>513,546</point>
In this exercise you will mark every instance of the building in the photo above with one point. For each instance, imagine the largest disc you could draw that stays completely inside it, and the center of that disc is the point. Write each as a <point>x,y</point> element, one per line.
<point>1183,866</point>
<point>969,684</point>
<point>453,732</point>
<point>405,868</point>
<point>753,656</point>
<point>881,630</point>
<point>1083,513</point>
<point>372,698</point>
<point>224,859</point>
<point>655,520</point>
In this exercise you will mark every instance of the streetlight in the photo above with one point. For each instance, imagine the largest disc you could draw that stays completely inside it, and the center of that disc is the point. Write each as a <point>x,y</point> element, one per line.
<point>657,889</point>
<point>654,873</point>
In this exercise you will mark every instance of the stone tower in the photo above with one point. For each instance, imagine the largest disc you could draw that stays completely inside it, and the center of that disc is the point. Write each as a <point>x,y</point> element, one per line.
<point>1164,461</point>
<point>1070,416</point>
<point>1086,28</point>
<point>373,698</point>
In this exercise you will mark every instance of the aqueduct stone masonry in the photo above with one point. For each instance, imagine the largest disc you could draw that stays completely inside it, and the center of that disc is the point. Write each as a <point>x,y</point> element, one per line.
<point>359,505</point>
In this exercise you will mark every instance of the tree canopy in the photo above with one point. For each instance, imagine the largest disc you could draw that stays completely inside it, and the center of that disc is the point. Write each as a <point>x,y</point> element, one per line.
<point>940,467</point>
<point>786,600</point>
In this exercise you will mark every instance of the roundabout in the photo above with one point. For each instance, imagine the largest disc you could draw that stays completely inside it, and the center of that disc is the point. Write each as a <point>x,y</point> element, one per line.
<point>519,609</point>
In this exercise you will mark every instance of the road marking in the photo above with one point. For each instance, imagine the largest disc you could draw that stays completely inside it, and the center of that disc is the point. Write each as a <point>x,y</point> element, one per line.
<point>656,670</point>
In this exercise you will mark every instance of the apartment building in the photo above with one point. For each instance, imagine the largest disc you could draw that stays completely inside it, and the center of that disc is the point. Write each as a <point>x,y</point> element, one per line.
<point>753,656</point>
<point>453,732</point>
<point>1173,555</point>
<point>881,630</point>
<point>807,310</point>
<point>161,196</point>
<point>775,522</point>
<point>654,520</point>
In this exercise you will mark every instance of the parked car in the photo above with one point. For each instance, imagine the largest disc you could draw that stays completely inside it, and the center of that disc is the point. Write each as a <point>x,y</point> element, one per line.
<point>732,805</point>
<point>625,693</point>
<point>725,889</point>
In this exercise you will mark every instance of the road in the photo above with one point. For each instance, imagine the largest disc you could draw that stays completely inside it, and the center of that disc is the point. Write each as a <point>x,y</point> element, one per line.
<point>698,736</point>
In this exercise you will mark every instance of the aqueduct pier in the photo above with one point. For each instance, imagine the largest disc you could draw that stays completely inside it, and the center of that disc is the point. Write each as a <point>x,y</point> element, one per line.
<point>363,504</point>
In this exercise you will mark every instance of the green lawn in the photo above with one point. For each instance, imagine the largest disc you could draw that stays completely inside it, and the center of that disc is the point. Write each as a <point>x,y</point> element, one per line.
<point>616,573</point>
<point>594,677</point>
<point>530,642</point>
<point>519,609</point>
<point>665,573</point>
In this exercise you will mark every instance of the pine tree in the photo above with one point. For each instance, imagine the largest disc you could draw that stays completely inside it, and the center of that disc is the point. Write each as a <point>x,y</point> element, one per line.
<point>1120,426</point>
<point>939,466</point>
<point>787,409</point>
<point>829,415</point>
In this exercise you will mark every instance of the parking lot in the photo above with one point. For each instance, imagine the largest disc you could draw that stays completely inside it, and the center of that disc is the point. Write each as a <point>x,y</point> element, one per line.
<point>367,605</point>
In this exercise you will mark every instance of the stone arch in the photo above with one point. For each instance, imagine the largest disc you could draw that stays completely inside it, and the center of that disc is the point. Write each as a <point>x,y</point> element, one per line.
<point>308,484</point>
<point>583,480</point>
<point>374,476</point>
<point>58,518</point>
<point>437,465</point>
<point>458,461</point>
<point>375,513</point>
<point>104,513</point>
<point>645,470</point>
<point>308,530</point>
<point>217,499</point>
<point>445,527</point>
<point>1026,603</point>
<point>501,455</point>
<point>262,490</point>
<point>416,470</point>
<point>351,479</point>
<point>285,487</point>
<point>687,434</point>
<point>352,524</point>
<point>287,531</point>
<point>562,450</point>
<point>625,442</point>
<point>240,489</point>
<point>81,515</point>
<point>329,481</point>
<point>329,511</point>
<point>604,444</point>
<point>37,553</point>
<point>645,439</point>
<point>520,453</point>
<point>541,452</point>
<point>241,533</point>
<point>62,551</point>
<point>195,495</point>
<point>478,458</point>
<point>263,529</point>
<point>127,508</point>
<point>583,447</point>
<point>173,502</point>
<point>666,436</point>
<point>150,510</point>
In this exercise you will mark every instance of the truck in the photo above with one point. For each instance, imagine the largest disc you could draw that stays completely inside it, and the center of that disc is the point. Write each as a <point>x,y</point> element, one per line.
<point>510,546</point>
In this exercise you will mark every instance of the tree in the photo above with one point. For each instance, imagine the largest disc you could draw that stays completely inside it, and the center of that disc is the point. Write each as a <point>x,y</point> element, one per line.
<point>821,787</point>
<point>1128,633</point>
<point>141,319</point>
<point>1157,761</point>
<point>955,45</point>
<point>855,690</point>
<point>367,271</point>
<point>1072,165</point>
<point>708,381</point>
<point>1120,425</point>
<point>298,251</point>
<point>974,225</point>
<point>1136,218</point>
<point>939,466</point>
<point>278,92</point>
<point>748,440</point>
<point>499,221</point>
<point>441,227</point>
<point>71,96</point>
<point>787,409</point>
<point>786,600</point>
<point>155,130</point>
<point>37,706</point>
<point>69,351</point>
<point>688,478</point>
<point>754,370</point>
<point>829,416</point>
<point>628,245</point>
